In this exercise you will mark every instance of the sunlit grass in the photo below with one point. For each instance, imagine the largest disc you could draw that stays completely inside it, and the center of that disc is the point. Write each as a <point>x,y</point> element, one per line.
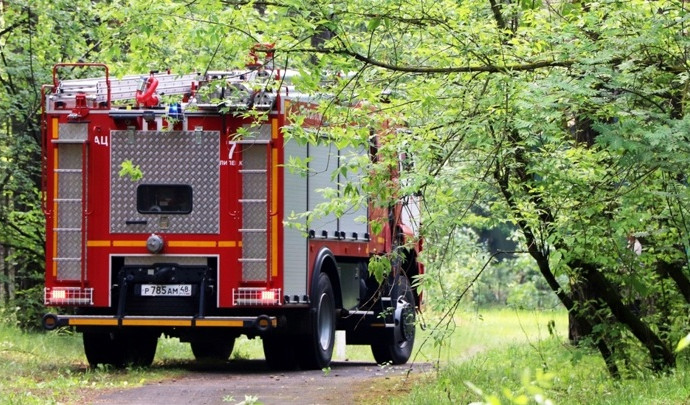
<point>504,356</point>
<point>552,370</point>
<point>44,368</point>
<point>51,367</point>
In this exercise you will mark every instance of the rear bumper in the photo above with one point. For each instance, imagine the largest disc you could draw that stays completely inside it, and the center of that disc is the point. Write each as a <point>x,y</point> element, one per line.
<point>261,323</point>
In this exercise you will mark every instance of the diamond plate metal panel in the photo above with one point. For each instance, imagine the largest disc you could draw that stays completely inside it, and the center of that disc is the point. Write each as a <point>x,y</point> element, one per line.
<point>254,245</point>
<point>69,156</point>
<point>69,214</point>
<point>253,271</point>
<point>167,157</point>
<point>254,157</point>
<point>254,215</point>
<point>254,186</point>
<point>66,243</point>
<point>69,270</point>
<point>69,185</point>
<point>69,207</point>
<point>73,131</point>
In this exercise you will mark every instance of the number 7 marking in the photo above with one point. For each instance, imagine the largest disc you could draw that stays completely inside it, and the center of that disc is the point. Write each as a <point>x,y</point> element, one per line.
<point>233,145</point>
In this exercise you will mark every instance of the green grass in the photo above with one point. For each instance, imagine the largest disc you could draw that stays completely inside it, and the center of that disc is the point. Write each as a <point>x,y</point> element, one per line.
<point>512,357</point>
<point>44,368</point>
<point>502,353</point>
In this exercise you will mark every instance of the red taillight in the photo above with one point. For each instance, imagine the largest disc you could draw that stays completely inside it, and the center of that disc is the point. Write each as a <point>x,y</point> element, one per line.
<point>256,296</point>
<point>268,297</point>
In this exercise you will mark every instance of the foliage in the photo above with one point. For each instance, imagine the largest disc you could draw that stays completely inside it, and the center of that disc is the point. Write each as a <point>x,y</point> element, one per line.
<point>33,36</point>
<point>128,169</point>
<point>29,309</point>
<point>565,120</point>
<point>547,116</point>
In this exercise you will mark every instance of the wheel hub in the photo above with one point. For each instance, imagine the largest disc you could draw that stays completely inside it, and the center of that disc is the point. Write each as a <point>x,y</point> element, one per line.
<point>404,321</point>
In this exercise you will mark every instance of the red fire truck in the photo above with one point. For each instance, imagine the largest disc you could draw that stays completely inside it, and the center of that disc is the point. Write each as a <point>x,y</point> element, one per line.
<point>174,218</point>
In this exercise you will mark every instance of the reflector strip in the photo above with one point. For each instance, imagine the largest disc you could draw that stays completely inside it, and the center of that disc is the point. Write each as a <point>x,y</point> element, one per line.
<point>55,128</point>
<point>98,243</point>
<point>156,322</point>
<point>129,243</point>
<point>139,243</point>
<point>191,243</point>
<point>248,322</point>
<point>206,322</point>
<point>274,200</point>
<point>55,204</point>
<point>56,134</point>
<point>274,212</point>
<point>92,322</point>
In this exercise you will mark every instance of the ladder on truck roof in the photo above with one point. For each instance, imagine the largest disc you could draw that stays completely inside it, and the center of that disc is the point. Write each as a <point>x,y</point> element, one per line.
<point>125,88</point>
<point>239,92</point>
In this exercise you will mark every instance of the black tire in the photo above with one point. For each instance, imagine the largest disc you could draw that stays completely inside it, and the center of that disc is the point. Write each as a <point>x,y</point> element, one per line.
<point>316,348</point>
<point>279,352</point>
<point>119,349</point>
<point>396,346</point>
<point>213,349</point>
<point>140,348</point>
<point>100,348</point>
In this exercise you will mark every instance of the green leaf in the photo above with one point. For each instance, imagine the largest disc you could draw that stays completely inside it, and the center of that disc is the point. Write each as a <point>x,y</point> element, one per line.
<point>683,344</point>
<point>373,24</point>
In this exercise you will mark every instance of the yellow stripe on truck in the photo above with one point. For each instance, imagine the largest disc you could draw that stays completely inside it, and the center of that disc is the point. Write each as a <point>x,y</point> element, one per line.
<point>98,243</point>
<point>55,204</point>
<point>274,201</point>
<point>192,243</point>
<point>129,243</point>
<point>92,322</point>
<point>231,324</point>
<point>156,322</point>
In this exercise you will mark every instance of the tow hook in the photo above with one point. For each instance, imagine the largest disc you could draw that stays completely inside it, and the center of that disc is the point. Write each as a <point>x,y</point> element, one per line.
<point>263,323</point>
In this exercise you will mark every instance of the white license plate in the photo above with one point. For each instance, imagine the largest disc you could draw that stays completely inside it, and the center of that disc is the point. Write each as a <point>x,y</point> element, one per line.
<point>166,290</point>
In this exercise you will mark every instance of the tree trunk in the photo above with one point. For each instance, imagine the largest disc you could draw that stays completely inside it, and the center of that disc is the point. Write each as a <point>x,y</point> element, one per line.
<point>662,357</point>
<point>674,271</point>
<point>584,322</point>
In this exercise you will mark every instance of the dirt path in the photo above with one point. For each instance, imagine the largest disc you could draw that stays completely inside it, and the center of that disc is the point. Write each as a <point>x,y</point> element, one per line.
<point>230,383</point>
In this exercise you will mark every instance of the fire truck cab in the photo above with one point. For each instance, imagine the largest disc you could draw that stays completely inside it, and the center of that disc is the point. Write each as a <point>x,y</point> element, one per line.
<point>175,218</point>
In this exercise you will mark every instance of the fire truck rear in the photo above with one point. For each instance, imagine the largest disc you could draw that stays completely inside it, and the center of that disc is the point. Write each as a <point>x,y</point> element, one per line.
<point>173,219</point>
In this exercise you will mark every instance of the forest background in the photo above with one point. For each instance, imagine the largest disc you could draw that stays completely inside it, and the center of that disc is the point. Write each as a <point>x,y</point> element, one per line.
<point>558,126</point>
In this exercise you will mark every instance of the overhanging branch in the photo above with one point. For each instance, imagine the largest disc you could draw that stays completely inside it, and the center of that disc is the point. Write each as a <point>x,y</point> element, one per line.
<point>518,67</point>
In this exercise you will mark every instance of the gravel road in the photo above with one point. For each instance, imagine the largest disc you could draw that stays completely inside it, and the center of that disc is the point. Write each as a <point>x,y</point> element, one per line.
<point>233,381</point>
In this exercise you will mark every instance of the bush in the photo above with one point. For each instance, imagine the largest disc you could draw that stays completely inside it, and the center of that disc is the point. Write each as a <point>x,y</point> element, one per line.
<point>27,309</point>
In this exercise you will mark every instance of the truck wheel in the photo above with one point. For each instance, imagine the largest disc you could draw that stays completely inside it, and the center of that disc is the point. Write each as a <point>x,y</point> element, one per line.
<point>212,349</point>
<point>396,346</point>
<point>316,348</point>
<point>99,348</point>
<point>140,347</point>
<point>279,352</point>
<point>120,349</point>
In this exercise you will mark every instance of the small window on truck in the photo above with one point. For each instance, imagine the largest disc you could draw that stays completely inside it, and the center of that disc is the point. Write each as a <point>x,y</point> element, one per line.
<point>164,199</point>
